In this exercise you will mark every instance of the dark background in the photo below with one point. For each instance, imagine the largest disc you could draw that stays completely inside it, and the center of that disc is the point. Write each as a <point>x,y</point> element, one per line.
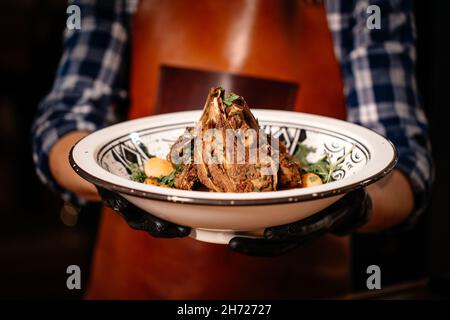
<point>37,242</point>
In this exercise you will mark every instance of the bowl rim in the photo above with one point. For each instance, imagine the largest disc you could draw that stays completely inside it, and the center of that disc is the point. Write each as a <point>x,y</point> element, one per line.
<point>232,199</point>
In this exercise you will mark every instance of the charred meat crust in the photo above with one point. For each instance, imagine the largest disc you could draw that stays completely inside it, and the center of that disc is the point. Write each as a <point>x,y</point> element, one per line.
<point>222,175</point>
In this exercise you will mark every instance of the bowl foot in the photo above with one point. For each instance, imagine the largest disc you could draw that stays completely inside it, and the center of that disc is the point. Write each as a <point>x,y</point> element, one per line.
<point>222,236</point>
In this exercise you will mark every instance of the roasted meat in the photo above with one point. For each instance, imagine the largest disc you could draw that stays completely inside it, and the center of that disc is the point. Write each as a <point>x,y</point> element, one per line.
<point>226,162</point>
<point>290,173</point>
<point>226,152</point>
<point>181,155</point>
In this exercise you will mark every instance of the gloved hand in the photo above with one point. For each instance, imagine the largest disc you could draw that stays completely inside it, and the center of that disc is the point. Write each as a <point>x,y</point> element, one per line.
<point>139,219</point>
<point>341,218</point>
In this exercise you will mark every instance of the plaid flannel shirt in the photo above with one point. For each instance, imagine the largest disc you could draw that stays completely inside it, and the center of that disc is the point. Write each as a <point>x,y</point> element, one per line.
<point>377,66</point>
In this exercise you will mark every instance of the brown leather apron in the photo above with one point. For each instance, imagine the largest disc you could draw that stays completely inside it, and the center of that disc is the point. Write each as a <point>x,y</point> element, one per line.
<point>179,49</point>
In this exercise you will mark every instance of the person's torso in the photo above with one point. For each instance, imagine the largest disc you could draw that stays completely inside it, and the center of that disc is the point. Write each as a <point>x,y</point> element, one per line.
<point>180,49</point>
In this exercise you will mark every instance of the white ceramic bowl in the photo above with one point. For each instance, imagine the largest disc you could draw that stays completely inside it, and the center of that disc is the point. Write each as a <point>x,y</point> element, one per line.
<point>103,157</point>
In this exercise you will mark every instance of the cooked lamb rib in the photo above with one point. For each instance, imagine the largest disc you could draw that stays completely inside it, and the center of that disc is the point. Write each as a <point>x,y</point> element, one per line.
<point>180,155</point>
<point>289,175</point>
<point>227,174</point>
<point>220,173</point>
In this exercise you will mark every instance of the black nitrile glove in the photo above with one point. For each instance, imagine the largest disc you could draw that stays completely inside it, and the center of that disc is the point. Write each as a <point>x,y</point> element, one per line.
<point>139,219</point>
<point>341,218</point>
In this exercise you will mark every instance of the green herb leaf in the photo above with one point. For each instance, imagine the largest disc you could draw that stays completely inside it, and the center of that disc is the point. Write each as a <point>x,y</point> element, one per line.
<point>169,180</point>
<point>323,167</point>
<point>255,189</point>
<point>137,174</point>
<point>302,153</point>
<point>178,168</point>
<point>230,98</point>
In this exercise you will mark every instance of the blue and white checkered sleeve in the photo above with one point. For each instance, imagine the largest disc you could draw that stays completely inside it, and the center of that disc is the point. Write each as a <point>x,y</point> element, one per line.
<point>378,67</point>
<point>84,86</point>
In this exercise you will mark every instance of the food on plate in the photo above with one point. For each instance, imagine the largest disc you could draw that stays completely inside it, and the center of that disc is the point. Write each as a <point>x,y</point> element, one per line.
<point>226,114</point>
<point>156,167</point>
<point>228,152</point>
<point>310,180</point>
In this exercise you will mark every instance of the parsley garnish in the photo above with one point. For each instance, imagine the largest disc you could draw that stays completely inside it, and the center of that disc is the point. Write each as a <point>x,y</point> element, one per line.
<point>302,153</point>
<point>230,98</point>
<point>169,180</point>
<point>178,168</point>
<point>137,174</point>
<point>323,167</point>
